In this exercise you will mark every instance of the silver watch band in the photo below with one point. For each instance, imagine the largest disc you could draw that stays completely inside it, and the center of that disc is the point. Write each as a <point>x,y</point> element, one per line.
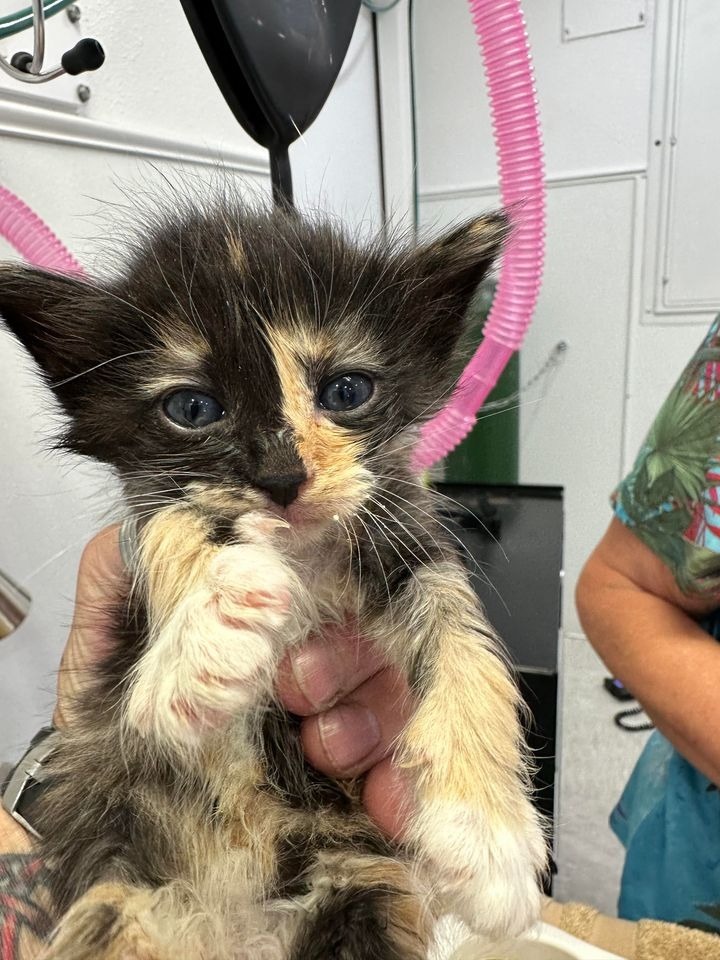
<point>19,781</point>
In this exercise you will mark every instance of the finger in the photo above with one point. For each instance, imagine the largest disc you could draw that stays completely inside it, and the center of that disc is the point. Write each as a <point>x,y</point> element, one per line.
<point>101,564</point>
<point>101,576</point>
<point>325,669</point>
<point>361,730</point>
<point>387,798</point>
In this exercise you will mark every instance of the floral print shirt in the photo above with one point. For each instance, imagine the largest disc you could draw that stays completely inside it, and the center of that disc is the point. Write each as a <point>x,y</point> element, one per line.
<point>671,498</point>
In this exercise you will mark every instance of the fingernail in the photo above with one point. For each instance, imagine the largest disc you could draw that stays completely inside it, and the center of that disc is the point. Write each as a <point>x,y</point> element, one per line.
<point>348,733</point>
<point>317,673</point>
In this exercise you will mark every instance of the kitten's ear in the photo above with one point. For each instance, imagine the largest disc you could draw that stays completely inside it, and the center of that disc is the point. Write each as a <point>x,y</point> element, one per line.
<point>54,316</point>
<point>456,262</point>
<point>447,270</point>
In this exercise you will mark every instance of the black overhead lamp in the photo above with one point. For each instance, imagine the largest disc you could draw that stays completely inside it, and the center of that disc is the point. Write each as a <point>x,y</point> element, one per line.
<point>275,62</point>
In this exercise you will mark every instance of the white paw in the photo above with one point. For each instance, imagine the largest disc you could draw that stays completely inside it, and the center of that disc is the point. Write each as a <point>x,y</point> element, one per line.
<point>215,655</point>
<point>487,873</point>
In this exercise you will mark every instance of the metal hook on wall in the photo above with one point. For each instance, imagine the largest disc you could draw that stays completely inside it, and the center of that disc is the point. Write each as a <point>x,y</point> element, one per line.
<point>86,55</point>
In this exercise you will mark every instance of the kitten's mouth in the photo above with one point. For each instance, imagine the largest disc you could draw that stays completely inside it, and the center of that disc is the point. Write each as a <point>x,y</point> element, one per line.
<point>302,516</point>
<point>298,515</point>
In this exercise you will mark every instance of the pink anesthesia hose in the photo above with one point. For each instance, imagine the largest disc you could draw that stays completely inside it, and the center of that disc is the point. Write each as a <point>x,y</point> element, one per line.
<point>500,27</point>
<point>32,238</point>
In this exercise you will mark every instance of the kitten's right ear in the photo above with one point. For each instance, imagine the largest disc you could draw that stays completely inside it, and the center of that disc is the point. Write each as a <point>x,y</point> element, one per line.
<point>54,316</point>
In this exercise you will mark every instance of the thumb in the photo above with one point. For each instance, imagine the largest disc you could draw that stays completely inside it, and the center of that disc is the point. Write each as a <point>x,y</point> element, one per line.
<point>101,580</point>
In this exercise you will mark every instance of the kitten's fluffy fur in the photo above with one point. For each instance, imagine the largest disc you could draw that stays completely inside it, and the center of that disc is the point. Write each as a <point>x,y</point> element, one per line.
<point>183,820</point>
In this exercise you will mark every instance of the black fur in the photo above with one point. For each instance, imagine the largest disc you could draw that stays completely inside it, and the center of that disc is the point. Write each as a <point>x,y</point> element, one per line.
<point>297,853</point>
<point>352,924</point>
<point>288,774</point>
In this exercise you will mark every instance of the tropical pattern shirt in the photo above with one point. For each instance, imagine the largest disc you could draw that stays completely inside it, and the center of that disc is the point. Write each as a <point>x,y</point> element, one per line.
<point>668,817</point>
<point>671,498</point>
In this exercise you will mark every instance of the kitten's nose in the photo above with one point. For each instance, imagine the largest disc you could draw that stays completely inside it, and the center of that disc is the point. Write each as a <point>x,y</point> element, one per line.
<point>282,488</point>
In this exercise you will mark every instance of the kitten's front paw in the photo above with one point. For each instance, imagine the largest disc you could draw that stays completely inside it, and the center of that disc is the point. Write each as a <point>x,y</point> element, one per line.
<point>215,655</point>
<point>487,873</point>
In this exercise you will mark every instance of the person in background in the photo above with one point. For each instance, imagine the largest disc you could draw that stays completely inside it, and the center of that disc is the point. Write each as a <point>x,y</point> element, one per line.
<point>649,602</point>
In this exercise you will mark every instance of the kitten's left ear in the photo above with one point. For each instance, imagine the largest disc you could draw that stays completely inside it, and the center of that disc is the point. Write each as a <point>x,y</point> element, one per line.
<point>453,265</point>
<point>447,270</point>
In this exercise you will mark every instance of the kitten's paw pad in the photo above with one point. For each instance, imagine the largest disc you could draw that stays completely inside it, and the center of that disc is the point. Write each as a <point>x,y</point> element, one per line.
<point>250,586</point>
<point>262,528</point>
<point>215,673</point>
<point>224,669</point>
<point>193,718</point>
<point>487,873</point>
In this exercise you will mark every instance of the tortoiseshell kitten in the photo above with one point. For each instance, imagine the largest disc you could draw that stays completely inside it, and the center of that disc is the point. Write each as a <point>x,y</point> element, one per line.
<point>257,381</point>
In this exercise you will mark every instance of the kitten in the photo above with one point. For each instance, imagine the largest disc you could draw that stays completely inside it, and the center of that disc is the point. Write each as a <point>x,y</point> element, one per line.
<point>257,381</point>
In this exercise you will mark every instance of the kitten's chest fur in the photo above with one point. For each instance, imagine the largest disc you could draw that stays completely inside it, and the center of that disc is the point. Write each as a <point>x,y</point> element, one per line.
<point>343,577</point>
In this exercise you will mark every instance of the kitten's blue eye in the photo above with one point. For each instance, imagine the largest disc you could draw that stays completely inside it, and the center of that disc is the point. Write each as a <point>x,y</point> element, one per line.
<point>192,409</point>
<point>346,392</point>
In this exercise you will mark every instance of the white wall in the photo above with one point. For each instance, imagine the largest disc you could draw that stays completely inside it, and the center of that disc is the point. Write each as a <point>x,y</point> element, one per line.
<point>153,101</point>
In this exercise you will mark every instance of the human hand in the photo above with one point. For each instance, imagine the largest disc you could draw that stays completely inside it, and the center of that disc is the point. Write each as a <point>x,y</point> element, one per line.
<point>100,582</point>
<point>353,705</point>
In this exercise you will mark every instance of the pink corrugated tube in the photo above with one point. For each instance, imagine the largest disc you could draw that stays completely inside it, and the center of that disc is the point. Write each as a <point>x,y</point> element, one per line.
<point>500,27</point>
<point>32,238</point>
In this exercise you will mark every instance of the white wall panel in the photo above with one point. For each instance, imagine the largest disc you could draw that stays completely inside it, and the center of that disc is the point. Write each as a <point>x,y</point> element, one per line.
<point>336,163</point>
<point>571,428</point>
<point>684,225</point>
<point>581,19</point>
<point>594,95</point>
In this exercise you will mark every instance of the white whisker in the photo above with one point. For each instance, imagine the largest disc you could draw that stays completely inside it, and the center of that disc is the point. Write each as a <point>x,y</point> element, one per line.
<point>103,363</point>
<point>377,554</point>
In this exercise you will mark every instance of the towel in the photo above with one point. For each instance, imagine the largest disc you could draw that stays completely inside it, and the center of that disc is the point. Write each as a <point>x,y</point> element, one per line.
<point>645,940</point>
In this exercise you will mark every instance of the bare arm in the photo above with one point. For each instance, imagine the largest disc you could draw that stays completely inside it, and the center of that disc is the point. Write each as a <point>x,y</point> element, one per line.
<point>24,920</point>
<point>641,624</point>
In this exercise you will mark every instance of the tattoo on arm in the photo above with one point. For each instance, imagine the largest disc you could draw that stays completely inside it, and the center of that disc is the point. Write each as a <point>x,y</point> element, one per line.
<point>24,918</point>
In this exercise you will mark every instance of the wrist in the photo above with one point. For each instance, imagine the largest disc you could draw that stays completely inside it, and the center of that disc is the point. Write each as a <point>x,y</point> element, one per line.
<point>13,838</point>
<point>22,784</point>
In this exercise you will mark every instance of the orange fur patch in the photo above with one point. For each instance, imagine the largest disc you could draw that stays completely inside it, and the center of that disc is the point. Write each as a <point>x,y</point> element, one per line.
<point>236,249</point>
<point>465,737</point>
<point>174,551</point>
<point>330,452</point>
